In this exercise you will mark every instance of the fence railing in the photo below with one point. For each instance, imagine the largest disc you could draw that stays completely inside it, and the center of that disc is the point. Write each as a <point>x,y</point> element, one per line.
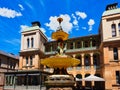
<point>22,87</point>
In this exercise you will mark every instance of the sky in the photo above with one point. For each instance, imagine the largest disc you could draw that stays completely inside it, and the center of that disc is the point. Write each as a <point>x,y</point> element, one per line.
<point>80,18</point>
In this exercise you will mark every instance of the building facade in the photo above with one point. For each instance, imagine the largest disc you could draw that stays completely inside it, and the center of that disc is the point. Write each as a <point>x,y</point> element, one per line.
<point>30,74</point>
<point>8,63</point>
<point>98,54</point>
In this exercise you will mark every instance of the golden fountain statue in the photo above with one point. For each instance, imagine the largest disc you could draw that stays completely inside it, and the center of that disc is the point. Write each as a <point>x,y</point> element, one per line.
<point>60,62</point>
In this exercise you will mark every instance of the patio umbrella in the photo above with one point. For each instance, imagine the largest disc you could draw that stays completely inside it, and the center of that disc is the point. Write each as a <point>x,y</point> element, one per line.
<point>77,79</point>
<point>93,78</point>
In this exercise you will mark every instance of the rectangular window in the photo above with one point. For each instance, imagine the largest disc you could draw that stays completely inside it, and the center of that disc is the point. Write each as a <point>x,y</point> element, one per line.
<point>113,27</point>
<point>119,28</point>
<point>115,53</point>
<point>28,43</point>
<point>0,62</point>
<point>113,33</point>
<point>119,32</point>
<point>32,42</point>
<point>86,44</point>
<point>71,45</point>
<point>31,60</point>
<point>118,77</point>
<point>79,45</point>
<point>11,64</point>
<point>26,60</point>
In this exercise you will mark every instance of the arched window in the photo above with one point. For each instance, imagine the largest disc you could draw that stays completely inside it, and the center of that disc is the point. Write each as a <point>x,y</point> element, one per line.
<point>87,61</point>
<point>113,27</point>
<point>79,57</point>
<point>28,43</point>
<point>115,53</point>
<point>119,28</point>
<point>96,60</point>
<point>32,42</point>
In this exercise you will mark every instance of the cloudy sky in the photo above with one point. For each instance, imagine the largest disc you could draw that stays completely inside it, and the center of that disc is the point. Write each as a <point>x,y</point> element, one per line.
<point>80,18</point>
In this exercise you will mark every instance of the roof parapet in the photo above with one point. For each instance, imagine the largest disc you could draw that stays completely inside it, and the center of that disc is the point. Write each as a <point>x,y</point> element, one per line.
<point>36,23</point>
<point>111,6</point>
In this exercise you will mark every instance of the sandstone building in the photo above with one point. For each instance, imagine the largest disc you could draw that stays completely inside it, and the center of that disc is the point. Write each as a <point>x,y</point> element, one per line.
<point>99,54</point>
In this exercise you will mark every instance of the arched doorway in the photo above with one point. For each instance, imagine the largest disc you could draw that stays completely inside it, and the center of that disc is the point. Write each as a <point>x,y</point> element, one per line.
<point>99,85</point>
<point>79,82</point>
<point>88,84</point>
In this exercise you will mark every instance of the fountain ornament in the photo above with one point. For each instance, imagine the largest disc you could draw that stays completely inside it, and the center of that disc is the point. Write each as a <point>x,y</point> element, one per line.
<point>60,62</point>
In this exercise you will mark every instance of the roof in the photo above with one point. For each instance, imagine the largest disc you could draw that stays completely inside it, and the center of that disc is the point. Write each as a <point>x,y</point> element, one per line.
<point>110,12</point>
<point>9,55</point>
<point>80,37</point>
<point>31,28</point>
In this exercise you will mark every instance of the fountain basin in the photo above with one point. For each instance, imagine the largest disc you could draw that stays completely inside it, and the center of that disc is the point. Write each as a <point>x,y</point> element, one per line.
<point>60,80</point>
<point>60,61</point>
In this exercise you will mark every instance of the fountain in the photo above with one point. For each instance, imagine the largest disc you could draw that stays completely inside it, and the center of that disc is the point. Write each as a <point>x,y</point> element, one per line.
<point>60,79</point>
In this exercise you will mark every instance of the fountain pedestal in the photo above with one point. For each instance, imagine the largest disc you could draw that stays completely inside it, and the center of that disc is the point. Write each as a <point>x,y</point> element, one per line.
<point>60,80</point>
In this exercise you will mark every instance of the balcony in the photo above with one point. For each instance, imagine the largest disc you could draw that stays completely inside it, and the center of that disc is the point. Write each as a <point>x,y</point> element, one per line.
<point>87,67</point>
<point>73,50</point>
<point>81,49</point>
<point>78,68</point>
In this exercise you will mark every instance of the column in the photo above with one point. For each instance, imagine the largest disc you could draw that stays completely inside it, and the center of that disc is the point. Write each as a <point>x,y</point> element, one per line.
<point>82,57</point>
<point>90,43</point>
<point>74,68</point>
<point>36,61</point>
<point>22,42</point>
<point>91,60</point>
<point>50,48</point>
<point>73,45</point>
<point>83,82</point>
<point>82,44</point>
<point>11,77</point>
<point>21,62</point>
<point>38,43</point>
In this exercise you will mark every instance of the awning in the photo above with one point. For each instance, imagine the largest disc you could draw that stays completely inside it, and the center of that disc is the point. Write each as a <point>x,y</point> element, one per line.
<point>93,78</point>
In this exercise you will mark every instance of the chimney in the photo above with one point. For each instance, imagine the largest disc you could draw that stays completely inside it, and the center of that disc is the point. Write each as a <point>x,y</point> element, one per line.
<point>36,23</point>
<point>111,6</point>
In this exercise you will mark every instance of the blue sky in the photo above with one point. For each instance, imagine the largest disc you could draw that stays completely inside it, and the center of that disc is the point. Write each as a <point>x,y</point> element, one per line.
<point>80,18</point>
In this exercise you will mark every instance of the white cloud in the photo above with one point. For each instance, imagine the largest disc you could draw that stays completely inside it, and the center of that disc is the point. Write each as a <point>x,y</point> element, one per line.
<point>91,22</point>
<point>82,15</point>
<point>13,41</point>
<point>84,28</point>
<point>9,13</point>
<point>23,27</point>
<point>75,22</point>
<point>21,7</point>
<point>66,24</point>
<point>43,30</point>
